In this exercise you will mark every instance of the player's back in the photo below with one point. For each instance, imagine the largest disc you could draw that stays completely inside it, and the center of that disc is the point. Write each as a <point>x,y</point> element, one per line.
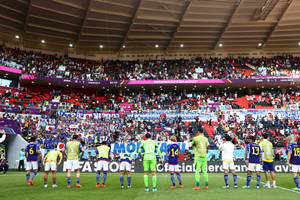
<point>295,156</point>
<point>53,155</point>
<point>227,151</point>
<point>254,152</point>
<point>32,151</point>
<point>149,147</point>
<point>73,150</point>
<point>200,145</point>
<point>173,151</point>
<point>103,152</point>
<point>267,150</point>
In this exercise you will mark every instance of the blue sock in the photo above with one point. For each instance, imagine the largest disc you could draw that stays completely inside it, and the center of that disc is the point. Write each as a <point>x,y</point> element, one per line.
<point>172,179</point>
<point>248,179</point>
<point>27,177</point>
<point>122,180</point>
<point>69,180</point>
<point>296,180</point>
<point>235,179</point>
<point>258,179</point>
<point>129,180</point>
<point>45,182</point>
<point>78,179</point>
<point>179,178</point>
<point>98,177</point>
<point>54,182</point>
<point>33,175</point>
<point>226,179</point>
<point>104,178</point>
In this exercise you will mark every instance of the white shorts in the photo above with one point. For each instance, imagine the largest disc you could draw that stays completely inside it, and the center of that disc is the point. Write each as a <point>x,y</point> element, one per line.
<point>72,164</point>
<point>102,165</point>
<point>31,165</point>
<point>254,167</point>
<point>125,166</point>
<point>173,168</point>
<point>295,168</point>
<point>50,166</point>
<point>228,166</point>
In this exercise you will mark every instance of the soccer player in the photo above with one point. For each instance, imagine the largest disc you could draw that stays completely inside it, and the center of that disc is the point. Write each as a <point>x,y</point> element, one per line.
<point>267,158</point>
<point>293,159</point>
<point>254,161</point>
<point>32,152</point>
<point>74,148</point>
<point>50,163</point>
<point>199,144</point>
<point>125,166</point>
<point>227,149</point>
<point>173,153</point>
<point>150,148</point>
<point>103,156</point>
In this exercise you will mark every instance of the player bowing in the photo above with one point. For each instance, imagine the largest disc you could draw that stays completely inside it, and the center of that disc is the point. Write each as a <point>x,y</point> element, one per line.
<point>227,149</point>
<point>32,152</point>
<point>50,163</point>
<point>254,161</point>
<point>125,166</point>
<point>173,153</point>
<point>73,151</point>
<point>103,156</point>
<point>293,159</point>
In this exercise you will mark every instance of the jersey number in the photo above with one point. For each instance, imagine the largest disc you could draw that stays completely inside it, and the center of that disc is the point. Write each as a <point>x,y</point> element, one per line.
<point>255,150</point>
<point>149,148</point>
<point>296,151</point>
<point>31,151</point>
<point>174,153</point>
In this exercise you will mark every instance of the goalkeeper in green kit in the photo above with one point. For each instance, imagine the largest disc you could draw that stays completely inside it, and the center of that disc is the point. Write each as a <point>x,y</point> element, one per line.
<point>150,148</point>
<point>199,144</point>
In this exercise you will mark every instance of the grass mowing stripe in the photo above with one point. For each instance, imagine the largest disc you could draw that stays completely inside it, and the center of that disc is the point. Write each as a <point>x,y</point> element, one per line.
<point>276,187</point>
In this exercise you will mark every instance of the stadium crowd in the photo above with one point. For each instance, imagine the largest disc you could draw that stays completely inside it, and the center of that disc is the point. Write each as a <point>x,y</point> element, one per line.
<point>39,64</point>
<point>72,100</point>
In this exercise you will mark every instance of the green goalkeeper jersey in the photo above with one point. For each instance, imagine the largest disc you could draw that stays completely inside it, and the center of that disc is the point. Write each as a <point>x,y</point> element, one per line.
<point>199,145</point>
<point>149,147</point>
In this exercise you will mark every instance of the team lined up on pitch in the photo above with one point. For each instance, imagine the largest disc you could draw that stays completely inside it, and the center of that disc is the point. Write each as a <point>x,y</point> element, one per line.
<point>257,152</point>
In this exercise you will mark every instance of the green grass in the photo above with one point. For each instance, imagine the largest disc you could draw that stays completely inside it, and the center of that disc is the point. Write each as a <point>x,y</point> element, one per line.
<point>12,186</point>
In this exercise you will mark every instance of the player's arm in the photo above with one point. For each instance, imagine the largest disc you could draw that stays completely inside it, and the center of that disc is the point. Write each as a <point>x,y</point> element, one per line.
<point>158,152</point>
<point>288,157</point>
<point>60,158</point>
<point>81,150</point>
<point>140,150</point>
<point>246,154</point>
<point>193,142</point>
<point>45,158</point>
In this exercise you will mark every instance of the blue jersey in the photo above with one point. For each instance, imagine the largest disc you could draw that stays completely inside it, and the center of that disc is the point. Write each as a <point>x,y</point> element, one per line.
<point>295,156</point>
<point>32,151</point>
<point>254,152</point>
<point>173,152</point>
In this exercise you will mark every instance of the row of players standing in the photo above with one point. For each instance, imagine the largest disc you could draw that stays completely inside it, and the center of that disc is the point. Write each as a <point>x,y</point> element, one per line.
<point>253,156</point>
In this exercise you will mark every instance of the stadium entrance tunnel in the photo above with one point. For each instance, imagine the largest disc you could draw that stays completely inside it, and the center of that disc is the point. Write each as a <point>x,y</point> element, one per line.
<point>13,145</point>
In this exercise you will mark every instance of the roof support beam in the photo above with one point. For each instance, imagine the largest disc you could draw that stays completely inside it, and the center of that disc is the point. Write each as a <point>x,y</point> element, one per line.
<point>131,24</point>
<point>235,9</point>
<point>27,16</point>
<point>187,6</point>
<point>84,19</point>
<point>278,22</point>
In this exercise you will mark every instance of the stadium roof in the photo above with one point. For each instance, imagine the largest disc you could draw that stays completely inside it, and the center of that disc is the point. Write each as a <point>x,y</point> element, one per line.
<point>146,26</point>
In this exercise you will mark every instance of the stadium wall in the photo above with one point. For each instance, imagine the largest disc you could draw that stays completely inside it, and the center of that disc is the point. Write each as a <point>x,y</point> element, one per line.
<point>14,143</point>
<point>184,167</point>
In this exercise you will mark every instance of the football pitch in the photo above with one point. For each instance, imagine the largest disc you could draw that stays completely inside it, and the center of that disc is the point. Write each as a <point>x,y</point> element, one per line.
<point>13,186</point>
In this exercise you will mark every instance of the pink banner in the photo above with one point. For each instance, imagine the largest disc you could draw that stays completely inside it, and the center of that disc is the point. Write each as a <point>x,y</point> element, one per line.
<point>126,106</point>
<point>12,70</point>
<point>148,82</point>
